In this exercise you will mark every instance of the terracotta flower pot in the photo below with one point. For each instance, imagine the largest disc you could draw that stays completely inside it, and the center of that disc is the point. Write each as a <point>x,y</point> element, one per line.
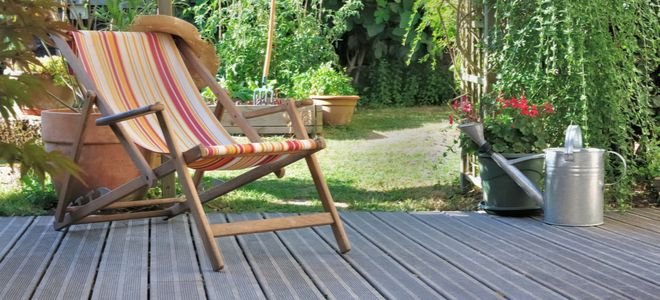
<point>42,98</point>
<point>103,160</point>
<point>337,110</point>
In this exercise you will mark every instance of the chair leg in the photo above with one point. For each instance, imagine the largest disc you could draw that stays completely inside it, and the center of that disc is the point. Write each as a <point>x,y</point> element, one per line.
<point>328,203</point>
<point>202,222</point>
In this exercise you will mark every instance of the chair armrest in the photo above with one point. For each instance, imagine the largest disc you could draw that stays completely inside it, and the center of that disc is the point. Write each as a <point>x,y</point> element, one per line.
<point>131,114</point>
<point>272,110</point>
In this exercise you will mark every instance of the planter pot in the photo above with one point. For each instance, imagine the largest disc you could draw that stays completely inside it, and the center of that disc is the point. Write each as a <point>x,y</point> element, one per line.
<point>103,160</point>
<point>501,194</point>
<point>337,110</point>
<point>42,98</point>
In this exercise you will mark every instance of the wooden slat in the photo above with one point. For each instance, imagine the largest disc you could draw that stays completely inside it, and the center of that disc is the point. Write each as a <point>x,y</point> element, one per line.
<point>22,268</point>
<point>500,255</point>
<point>587,267</point>
<point>434,270</point>
<point>483,263</point>
<point>386,275</point>
<point>270,124</point>
<point>256,226</point>
<point>651,213</point>
<point>616,241</point>
<point>72,271</point>
<point>641,234</point>
<point>278,273</point>
<point>138,203</point>
<point>11,230</point>
<point>174,269</point>
<point>237,281</point>
<point>624,262</point>
<point>124,266</point>
<point>329,271</point>
<point>637,221</point>
<point>125,216</point>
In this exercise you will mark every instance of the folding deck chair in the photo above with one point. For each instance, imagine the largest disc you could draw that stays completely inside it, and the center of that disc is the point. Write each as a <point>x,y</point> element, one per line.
<point>141,84</point>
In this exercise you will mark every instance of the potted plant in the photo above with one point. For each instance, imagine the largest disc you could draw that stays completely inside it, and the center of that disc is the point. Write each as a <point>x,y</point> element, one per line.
<point>329,88</point>
<point>514,127</point>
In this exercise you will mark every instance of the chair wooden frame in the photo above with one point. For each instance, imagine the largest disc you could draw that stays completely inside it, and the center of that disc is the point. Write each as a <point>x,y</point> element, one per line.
<point>66,214</point>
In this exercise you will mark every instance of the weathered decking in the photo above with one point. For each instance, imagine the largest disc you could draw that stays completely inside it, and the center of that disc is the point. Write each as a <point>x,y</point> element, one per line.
<point>395,255</point>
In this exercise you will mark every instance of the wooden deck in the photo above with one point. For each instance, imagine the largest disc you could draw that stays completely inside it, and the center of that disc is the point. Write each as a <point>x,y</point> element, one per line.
<point>395,255</point>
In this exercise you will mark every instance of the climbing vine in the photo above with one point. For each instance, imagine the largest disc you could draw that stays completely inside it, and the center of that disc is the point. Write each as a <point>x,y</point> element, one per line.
<point>596,62</point>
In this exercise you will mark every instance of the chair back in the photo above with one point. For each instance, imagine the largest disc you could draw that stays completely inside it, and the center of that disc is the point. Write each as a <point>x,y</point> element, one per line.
<point>134,69</point>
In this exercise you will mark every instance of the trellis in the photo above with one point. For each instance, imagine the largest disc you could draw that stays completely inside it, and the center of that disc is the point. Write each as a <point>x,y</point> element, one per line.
<point>475,20</point>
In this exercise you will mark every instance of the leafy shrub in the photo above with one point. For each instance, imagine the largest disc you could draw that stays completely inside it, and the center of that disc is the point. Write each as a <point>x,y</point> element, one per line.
<point>397,84</point>
<point>324,80</point>
<point>594,63</point>
<point>303,39</point>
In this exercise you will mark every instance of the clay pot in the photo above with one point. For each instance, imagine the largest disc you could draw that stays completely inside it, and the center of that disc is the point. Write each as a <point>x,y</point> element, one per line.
<point>337,110</point>
<point>41,99</point>
<point>103,159</point>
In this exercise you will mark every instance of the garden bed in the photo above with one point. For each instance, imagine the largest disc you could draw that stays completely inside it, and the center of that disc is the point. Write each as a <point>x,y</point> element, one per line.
<point>277,123</point>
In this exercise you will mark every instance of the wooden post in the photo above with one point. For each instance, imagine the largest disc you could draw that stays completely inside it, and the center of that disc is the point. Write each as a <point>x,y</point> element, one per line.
<point>165,7</point>
<point>168,183</point>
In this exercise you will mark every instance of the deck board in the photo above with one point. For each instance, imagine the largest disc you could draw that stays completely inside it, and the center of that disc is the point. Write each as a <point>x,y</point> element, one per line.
<point>277,271</point>
<point>575,261</point>
<point>637,221</point>
<point>502,251</point>
<point>236,280</point>
<point>435,271</point>
<point>174,272</point>
<point>23,267</point>
<point>11,230</point>
<point>603,253</point>
<point>72,271</point>
<point>434,255</point>
<point>334,277</point>
<point>124,266</point>
<point>385,274</point>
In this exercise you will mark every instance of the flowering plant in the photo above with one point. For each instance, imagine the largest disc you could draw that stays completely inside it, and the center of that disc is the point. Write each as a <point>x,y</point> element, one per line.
<point>463,110</point>
<point>516,125</point>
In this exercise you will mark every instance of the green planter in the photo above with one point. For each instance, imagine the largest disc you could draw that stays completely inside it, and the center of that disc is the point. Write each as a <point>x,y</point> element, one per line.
<point>501,194</point>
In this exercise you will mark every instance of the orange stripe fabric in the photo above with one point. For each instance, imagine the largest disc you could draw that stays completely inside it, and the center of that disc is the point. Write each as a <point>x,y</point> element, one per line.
<point>134,69</point>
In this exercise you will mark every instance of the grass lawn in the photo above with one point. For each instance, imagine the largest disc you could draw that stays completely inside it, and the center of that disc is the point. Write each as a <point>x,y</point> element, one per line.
<point>387,159</point>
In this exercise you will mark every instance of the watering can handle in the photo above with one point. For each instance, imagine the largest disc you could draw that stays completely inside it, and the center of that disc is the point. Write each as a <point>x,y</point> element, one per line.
<point>625,165</point>
<point>573,139</point>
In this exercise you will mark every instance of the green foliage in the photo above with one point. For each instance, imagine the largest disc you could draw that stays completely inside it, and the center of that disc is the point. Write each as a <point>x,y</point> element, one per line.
<point>324,80</point>
<point>593,61</point>
<point>304,33</point>
<point>438,17</point>
<point>119,14</point>
<point>56,68</point>
<point>21,21</point>
<point>397,84</point>
<point>389,64</point>
<point>518,125</point>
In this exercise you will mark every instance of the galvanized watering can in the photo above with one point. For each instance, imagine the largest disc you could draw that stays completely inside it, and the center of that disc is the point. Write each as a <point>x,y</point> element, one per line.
<point>574,178</point>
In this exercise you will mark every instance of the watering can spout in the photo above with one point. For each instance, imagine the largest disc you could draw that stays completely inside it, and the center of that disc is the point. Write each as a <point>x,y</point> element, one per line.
<point>475,131</point>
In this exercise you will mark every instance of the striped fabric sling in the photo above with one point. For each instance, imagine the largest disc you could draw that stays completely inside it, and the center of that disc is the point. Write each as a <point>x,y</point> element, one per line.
<point>134,69</point>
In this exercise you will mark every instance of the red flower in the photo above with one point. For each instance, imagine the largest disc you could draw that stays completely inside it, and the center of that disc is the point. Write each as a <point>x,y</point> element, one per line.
<point>547,107</point>
<point>533,112</point>
<point>451,120</point>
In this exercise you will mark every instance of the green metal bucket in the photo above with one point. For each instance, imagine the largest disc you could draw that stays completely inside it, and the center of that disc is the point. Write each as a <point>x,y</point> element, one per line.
<point>501,194</point>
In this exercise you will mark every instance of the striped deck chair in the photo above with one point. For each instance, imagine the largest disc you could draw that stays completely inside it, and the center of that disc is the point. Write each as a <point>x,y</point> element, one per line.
<point>141,83</point>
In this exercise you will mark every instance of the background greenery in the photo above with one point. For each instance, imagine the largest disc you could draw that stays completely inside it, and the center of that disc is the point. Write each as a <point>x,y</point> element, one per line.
<point>596,62</point>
